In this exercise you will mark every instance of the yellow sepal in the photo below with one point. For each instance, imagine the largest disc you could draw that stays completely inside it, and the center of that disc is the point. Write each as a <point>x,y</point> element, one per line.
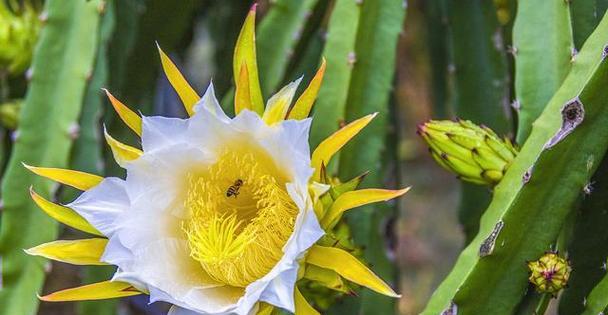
<point>332,144</point>
<point>302,306</point>
<point>96,291</point>
<point>327,278</point>
<point>242,95</point>
<point>75,252</point>
<point>122,152</point>
<point>184,90</point>
<point>349,267</point>
<point>357,198</point>
<point>244,54</point>
<point>129,117</point>
<point>63,214</point>
<point>264,309</point>
<point>301,109</point>
<point>278,104</point>
<point>76,179</point>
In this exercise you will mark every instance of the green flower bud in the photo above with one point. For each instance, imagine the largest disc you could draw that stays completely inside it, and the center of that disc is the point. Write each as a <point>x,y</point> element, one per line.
<point>475,153</point>
<point>19,29</point>
<point>550,273</point>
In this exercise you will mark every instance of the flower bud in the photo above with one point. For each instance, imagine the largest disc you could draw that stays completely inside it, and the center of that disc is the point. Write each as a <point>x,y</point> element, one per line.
<point>475,153</point>
<point>19,28</point>
<point>550,273</point>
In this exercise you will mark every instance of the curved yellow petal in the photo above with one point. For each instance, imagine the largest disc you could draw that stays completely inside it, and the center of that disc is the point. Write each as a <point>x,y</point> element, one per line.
<point>302,306</point>
<point>301,109</point>
<point>75,252</point>
<point>244,54</point>
<point>357,198</point>
<point>325,277</point>
<point>242,97</point>
<point>63,214</point>
<point>349,267</point>
<point>278,104</point>
<point>76,179</point>
<point>265,309</point>
<point>328,147</point>
<point>185,91</point>
<point>129,117</point>
<point>96,291</point>
<point>122,152</point>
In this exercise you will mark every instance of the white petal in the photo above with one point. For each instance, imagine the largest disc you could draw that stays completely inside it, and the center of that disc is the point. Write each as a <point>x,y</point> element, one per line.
<point>208,104</point>
<point>157,180</point>
<point>161,132</point>
<point>102,204</point>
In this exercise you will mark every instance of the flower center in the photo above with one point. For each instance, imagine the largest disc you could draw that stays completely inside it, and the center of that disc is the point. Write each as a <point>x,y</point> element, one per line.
<point>241,217</point>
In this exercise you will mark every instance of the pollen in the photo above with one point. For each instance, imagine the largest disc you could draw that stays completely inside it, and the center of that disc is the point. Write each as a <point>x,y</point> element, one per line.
<point>239,238</point>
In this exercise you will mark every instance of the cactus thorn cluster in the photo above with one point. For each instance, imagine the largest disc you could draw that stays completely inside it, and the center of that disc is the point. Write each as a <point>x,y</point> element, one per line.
<point>550,273</point>
<point>475,153</point>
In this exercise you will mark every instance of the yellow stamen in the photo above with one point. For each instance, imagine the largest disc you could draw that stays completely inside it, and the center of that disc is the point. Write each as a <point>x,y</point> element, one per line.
<point>237,229</point>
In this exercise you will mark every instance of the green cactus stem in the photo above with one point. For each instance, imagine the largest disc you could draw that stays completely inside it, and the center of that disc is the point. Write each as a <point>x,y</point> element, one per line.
<point>543,49</point>
<point>536,194</point>
<point>62,62</point>
<point>341,58</point>
<point>369,91</point>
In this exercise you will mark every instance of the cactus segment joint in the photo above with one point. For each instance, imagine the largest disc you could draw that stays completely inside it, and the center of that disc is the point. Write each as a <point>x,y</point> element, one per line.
<point>487,246</point>
<point>573,114</point>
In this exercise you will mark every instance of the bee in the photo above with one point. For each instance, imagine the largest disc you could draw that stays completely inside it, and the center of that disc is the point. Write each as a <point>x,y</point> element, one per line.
<point>234,189</point>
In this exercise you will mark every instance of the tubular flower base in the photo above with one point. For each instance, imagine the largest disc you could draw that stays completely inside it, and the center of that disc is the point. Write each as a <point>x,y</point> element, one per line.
<point>550,273</point>
<point>475,153</point>
<point>217,215</point>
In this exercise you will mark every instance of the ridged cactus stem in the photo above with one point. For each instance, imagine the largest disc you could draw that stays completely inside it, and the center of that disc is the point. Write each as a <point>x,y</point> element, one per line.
<point>87,151</point>
<point>588,247</point>
<point>62,62</point>
<point>543,50</point>
<point>536,194</point>
<point>369,91</point>
<point>341,58</point>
